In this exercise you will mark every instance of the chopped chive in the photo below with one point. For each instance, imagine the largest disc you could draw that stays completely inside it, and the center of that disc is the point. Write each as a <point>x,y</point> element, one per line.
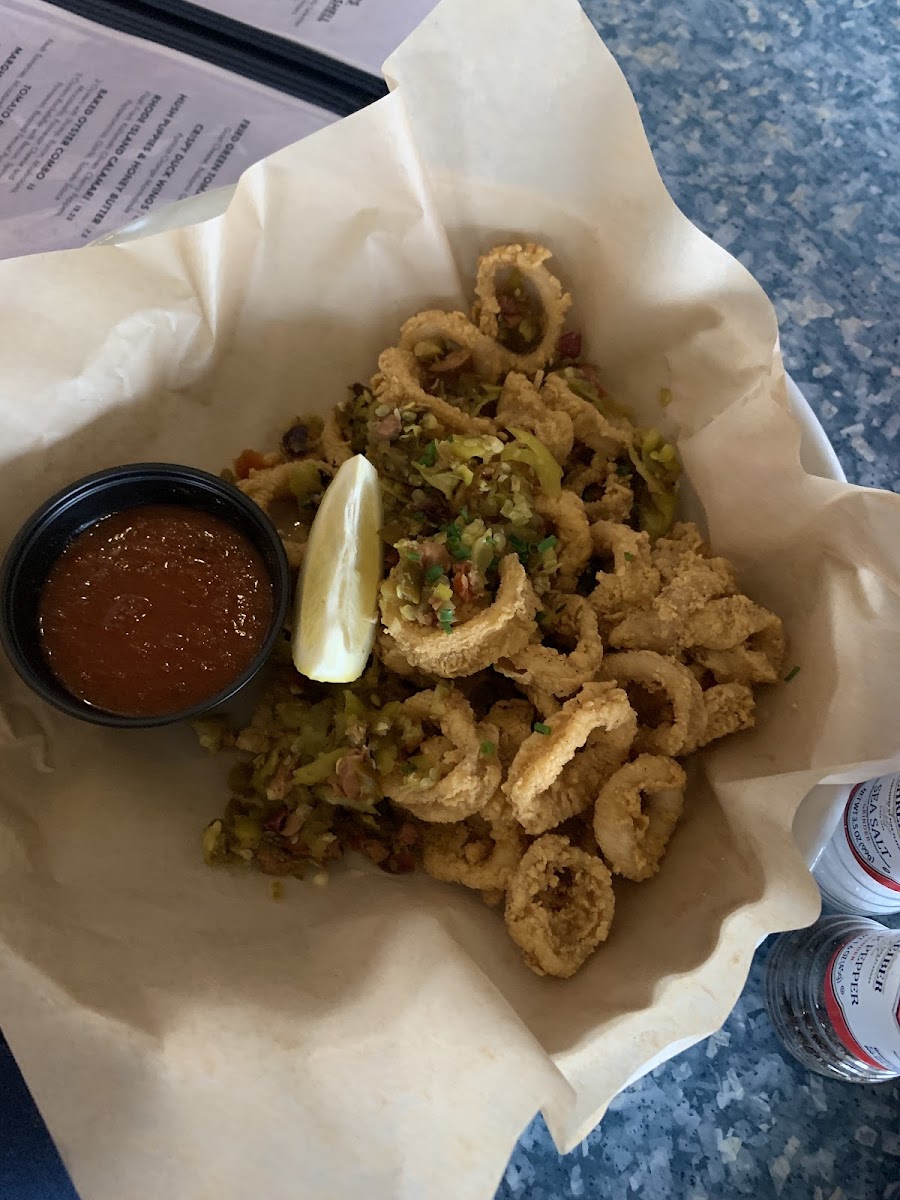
<point>419,516</point>
<point>414,556</point>
<point>434,572</point>
<point>488,748</point>
<point>547,544</point>
<point>464,516</point>
<point>792,674</point>
<point>540,727</point>
<point>459,552</point>
<point>629,557</point>
<point>623,469</point>
<point>429,458</point>
<point>518,544</point>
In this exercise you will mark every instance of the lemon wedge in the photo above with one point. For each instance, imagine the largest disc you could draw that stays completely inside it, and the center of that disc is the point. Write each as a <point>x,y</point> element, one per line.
<point>336,603</point>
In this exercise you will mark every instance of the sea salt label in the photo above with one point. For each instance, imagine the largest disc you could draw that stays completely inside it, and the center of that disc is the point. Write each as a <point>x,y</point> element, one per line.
<point>872,829</point>
<point>862,998</point>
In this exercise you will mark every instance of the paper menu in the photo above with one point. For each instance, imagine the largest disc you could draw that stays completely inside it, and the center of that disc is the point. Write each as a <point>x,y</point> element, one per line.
<point>361,33</point>
<point>98,128</point>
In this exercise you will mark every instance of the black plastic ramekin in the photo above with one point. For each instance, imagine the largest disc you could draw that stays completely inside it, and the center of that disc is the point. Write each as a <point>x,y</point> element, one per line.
<point>48,531</point>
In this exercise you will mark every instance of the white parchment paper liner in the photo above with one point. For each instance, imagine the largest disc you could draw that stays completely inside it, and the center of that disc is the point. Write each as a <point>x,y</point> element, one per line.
<point>184,1035</point>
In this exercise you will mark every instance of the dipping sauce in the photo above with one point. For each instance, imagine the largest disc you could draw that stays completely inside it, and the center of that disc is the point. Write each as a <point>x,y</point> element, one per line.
<point>154,609</point>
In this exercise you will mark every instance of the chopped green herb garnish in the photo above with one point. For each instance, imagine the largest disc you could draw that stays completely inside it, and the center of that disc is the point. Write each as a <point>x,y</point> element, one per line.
<point>629,557</point>
<point>429,458</point>
<point>414,556</point>
<point>792,674</point>
<point>434,572</point>
<point>459,552</point>
<point>488,748</point>
<point>419,516</point>
<point>518,544</point>
<point>547,544</point>
<point>623,469</point>
<point>540,727</point>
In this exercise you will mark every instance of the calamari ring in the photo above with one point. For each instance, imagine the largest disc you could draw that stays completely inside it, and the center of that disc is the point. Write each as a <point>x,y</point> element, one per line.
<point>487,357</point>
<point>636,814</point>
<point>559,906</point>
<point>656,673</point>
<point>474,853</point>
<point>644,629</point>
<point>542,793</point>
<point>543,287</point>
<point>727,622</point>
<point>513,720</point>
<point>542,666</point>
<point>391,657</point>
<point>398,384</point>
<point>473,777</point>
<point>590,426</point>
<point>520,404</point>
<point>729,709</point>
<point>633,581</point>
<point>504,627</point>
<point>541,701</point>
<point>566,514</point>
<point>268,485</point>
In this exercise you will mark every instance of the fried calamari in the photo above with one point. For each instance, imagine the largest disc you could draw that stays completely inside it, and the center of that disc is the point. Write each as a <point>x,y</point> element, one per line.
<point>551,639</point>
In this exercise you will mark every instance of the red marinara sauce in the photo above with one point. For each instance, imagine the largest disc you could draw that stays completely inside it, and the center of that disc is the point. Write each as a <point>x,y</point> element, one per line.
<point>154,609</point>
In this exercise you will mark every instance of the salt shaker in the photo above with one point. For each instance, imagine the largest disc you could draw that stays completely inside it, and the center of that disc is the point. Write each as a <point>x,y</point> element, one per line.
<point>833,995</point>
<point>858,871</point>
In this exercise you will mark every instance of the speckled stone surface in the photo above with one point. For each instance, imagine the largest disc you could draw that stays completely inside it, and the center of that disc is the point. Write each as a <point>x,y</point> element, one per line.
<point>776,128</point>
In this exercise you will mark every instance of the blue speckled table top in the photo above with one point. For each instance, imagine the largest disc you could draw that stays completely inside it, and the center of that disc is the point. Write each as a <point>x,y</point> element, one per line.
<point>776,127</point>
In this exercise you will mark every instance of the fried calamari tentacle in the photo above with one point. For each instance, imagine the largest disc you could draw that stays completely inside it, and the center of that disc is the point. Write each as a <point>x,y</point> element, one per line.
<point>460,345</point>
<point>565,513</point>
<point>666,625</point>
<point>607,495</point>
<point>601,434</point>
<point>399,383</point>
<point>571,619</point>
<point>336,447</point>
<point>470,777</point>
<point>759,659</point>
<point>520,305</point>
<point>474,853</point>
<point>633,581</point>
<point>729,709</point>
<point>559,906</point>
<point>666,696</point>
<point>696,581</point>
<point>725,623</point>
<point>542,791</point>
<point>270,486</point>
<point>737,640</point>
<point>521,406</point>
<point>682,544</point>
<point>513,720</point>
<point>502,628</point>
<point>636,813</point>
